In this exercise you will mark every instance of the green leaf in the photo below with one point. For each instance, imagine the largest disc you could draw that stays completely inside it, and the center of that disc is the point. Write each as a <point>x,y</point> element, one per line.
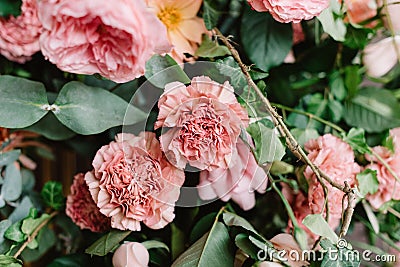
<point>232,219</point>
<point>9,261</point>
<point>202,226</point>
<point>211,13</point>
<point>30,224</point>
<point>335,109</point>
<point>336,84</point>
<point>90,110</point>
<point>304,135</point>
<point>10,7</point>
<point>373,109</point>
<point>4,225</point>
<point>338,257</point>
<point>151,244</point>
<point>9,157</point>
<point>107,243</point>
<point>317,224</point>
<point>22,210</point>
<point>243,242</point>
<point>230,69</point>
<point>367,182</point>
<point>73,260</point>
<point>161,70</point>
<point>14,232</point>
<point>356,139</point>
<point>213,249</point>
<point>265,41</point>
<point>211,49</point>
<point>51,128</point>
<point>268,146</point>
<point>45,239</point>
<point>177,241</point>
<point>12,184</point>
<point>357,38</point>
<point>352,79</point>
<point>21,102</point>
<point>332,24</point>
<point>52,195</point>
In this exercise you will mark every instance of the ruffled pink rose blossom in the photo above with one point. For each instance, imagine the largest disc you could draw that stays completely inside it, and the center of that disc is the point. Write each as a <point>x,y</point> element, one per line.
<point>82,209</point>
<point>133,182</point>
<point>112,39</point>
<point>290,10</point>
<point>19,36</point>
<point>184,27</point>
<point>388,188</point>
<point>239,182</point>
<point>131,254</point>
<point>336,158</point>
<point>205,121</point>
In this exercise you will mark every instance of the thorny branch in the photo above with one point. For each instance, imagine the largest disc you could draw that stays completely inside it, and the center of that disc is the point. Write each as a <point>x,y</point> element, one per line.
<point>292,143</point>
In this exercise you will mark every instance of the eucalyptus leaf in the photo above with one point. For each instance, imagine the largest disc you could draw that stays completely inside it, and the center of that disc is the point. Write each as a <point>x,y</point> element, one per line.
<point>161,70</point>
<point>332,24</point>
<point>4,225</point>
<point>12,184</point>
<point>22,210</point>
<point>367,182</point>
<point>9,157</point>
<point>340,258</point>
<point>51,128</point>
<point>22,102</point>
<point>107,243</point>
<point>318,225</point>
<point>268,146</point>
<point>212,249</point>
<point>265,41</point>
<point>14,232</point>
<point>373,109</point>
<point>90,110</point>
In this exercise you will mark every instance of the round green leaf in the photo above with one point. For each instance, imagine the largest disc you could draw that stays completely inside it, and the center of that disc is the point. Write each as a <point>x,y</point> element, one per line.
<point>265,41</point>
<point>21,102</point>
<point>12,185</point>
<point>90,110</point>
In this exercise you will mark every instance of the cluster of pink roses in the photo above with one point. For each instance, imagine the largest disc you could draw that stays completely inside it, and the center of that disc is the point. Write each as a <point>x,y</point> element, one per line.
<point>336,159</point>
<point>114,40</point>
<point>138,179</point>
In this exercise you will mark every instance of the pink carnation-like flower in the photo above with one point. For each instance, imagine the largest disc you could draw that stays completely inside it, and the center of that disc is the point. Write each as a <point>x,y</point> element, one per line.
<point>19,36</point>
<point>388,188</point>
<point>336,158</point>
<point>238,182</point>
<point>131,254</point>
<point>112,39</point>
<point>290,10</point>
<point>205,121</point>
<point>82,209</point>
<point>133,182</point>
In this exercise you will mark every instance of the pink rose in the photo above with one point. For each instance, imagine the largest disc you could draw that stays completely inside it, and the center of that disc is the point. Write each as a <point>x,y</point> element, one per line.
<point>131,254</point>
<point>288,243</point>
<point>19,36</point>
<point>205,121</point>
<point>82,209</point>
<point>290,10</point>
<point>392,9</point>
<point>388,186</point>
<point>133,182</point>
<point>113,39</point>
<point>238,182</point>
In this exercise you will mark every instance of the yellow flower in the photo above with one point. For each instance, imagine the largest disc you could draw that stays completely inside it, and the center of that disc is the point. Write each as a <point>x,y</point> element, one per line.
<point>183,26</point>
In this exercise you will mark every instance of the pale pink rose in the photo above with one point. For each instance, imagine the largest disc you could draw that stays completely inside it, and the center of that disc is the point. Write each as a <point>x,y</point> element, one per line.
<point>269,264</point>
<point>184,27</point>
<point>133,182</point>
<point>290,10</point>
<point>19,36</point>
<point>114,39</point>
<point>81,208</point>
<point>205,121</point>
<point>361,10</point>
<point>388,188</point>
<point>380,57</point>
<point>393,10</point>
<point>239,182</point>
<point>288,243</point>
<point>131,254</point>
